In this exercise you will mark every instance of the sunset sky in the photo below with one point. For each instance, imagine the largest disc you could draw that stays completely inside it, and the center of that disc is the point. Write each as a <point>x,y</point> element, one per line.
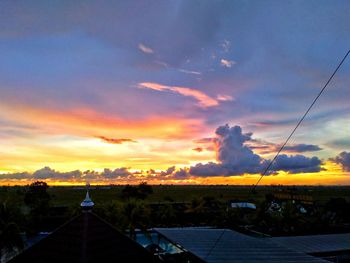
<point>192,92</point>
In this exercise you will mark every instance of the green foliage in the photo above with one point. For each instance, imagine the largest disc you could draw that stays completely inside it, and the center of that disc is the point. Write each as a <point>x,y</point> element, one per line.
<point>171,205</point>
<point>166,215</point>
<point>138,192</point>
<point>130,215</point>
<point>206,210</point>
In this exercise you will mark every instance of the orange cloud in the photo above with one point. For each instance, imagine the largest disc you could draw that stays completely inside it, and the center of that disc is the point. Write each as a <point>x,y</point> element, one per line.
<point>115,140</point>
<point>87,122</point>
<point>203,99</point>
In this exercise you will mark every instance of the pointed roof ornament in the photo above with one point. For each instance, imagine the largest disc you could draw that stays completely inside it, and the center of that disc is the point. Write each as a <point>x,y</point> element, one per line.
<point>87,204</point>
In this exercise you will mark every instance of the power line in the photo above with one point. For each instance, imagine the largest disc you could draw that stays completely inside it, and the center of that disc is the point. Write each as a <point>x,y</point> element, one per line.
<point>215,243</point>
<point>300,121</point>
<point>284,144</point>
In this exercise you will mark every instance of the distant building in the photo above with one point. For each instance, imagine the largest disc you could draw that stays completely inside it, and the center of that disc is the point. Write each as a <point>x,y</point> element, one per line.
<point>291,196</point>
<point>248,205</point>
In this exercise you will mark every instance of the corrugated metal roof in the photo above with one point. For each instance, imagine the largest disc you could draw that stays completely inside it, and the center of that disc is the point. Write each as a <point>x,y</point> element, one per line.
<point>315,243</point>
<point>232,246</point>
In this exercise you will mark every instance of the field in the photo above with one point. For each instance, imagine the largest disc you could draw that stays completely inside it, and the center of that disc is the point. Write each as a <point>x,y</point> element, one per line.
<point>71,196</point>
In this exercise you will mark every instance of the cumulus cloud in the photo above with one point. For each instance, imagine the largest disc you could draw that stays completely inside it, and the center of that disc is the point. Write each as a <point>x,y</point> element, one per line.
<point>119,172</point>
<point>180,174</point>
<point>48,173</point>
<point>17,176</point>
<point>203,99</point>
<point>227,63</point>
<point>169,171</point>
<point>115,140</point>
<point>296,164</point>
<point>344,160</point>
<point>76,175</point>
<point>235,157</point>
<point>145,49</point>
<point>209,169</point>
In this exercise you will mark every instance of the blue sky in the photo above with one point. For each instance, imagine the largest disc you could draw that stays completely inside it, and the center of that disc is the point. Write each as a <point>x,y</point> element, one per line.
<point>66,65</point>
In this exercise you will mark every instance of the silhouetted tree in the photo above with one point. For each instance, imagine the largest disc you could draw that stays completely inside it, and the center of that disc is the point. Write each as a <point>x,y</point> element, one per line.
<point>138,192</point>
<point>137,216</point>
<point>38,200</point>
<point>37,197</point>
<point>144,190</point>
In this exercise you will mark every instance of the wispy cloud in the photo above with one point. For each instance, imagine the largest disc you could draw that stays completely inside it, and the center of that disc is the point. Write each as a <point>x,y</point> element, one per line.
<point>198,149</point>
<point>145,49</point>
<point>224,97</point>
<point>227,63</point>
<point>115,140</point>
<point>226,45</point>
<point>203,99</point>
<point>190,71</point>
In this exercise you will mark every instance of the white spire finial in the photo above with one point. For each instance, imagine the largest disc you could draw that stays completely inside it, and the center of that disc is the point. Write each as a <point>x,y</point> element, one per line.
<point>87,204</point>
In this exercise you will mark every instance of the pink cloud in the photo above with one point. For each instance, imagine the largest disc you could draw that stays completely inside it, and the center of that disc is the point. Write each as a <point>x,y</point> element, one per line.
<point>203,99</point>
<point>227,63</point>
<point>145,49</point>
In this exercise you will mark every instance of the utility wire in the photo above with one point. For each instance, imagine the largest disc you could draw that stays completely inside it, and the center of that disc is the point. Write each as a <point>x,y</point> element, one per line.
<point>300,121</point>
<point>215,243</point>
<point>284,144</point>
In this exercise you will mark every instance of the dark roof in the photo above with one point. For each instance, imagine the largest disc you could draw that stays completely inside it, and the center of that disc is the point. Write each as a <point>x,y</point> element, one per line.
<point>315,243</point>
<point>227,246</point>
<point>86,238</point>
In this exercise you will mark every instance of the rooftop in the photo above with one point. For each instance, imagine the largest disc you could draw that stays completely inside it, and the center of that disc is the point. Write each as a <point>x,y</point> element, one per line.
<point>224,245</point>
<point>85,238</point>
<point>315,243</point>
